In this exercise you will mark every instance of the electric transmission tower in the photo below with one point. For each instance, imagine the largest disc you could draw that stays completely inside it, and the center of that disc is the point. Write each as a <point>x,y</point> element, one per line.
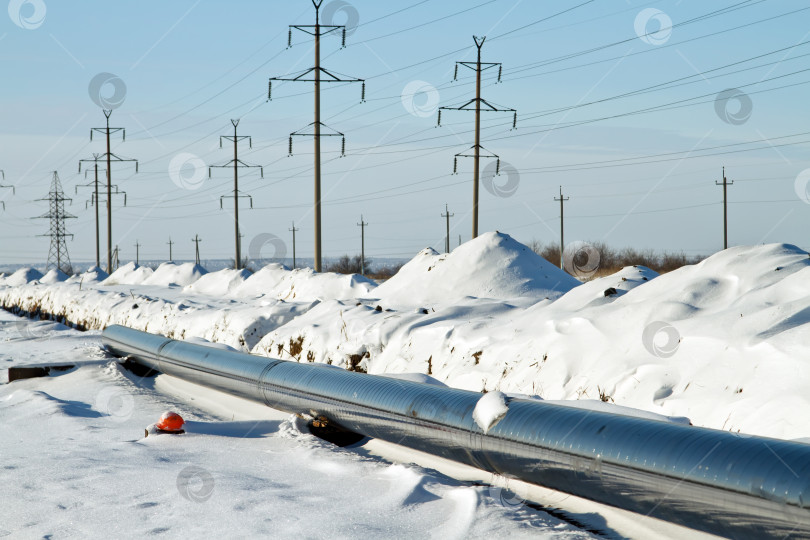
<point>562,226</point>
<point>94,196</point>
<point>58,253</point>
<point>725,183</point>
<point>110,158</point>
<point>477,104</point>
<point>13,189</point>
<point>313,74</point>
<point>236,163</point>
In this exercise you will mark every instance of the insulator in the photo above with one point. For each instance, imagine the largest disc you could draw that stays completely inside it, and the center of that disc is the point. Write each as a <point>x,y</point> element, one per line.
<point>343,39</point>
<point>498,166</point>
<point>136,166</point>
<point>261,169</point>
<point>500,70</point>
<point>455,165</point>
<point>455,75</point>
<point>514,121</point>
<point>80,170</point>
<point>289,38</point>
<point>250,142</point>
<point>123,135</point>
<point>251,203</point>
<point>439,122</point>
<point>343,147</point>
<point>290,153</point>
<point>269,90</point>
<point>220,142</point>
<point>220,203</point>
<point>125,199</point>
<point>91,135</point>
<point>363,92</point>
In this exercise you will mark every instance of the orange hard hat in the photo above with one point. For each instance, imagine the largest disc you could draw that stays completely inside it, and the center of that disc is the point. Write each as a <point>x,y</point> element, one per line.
<point>170,421</point>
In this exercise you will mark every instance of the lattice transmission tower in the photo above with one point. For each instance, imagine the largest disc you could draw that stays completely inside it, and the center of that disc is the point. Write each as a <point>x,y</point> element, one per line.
<point>58,253</point>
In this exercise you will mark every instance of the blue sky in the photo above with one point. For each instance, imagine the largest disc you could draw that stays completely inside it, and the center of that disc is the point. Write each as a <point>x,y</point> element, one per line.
<point>640,170</point>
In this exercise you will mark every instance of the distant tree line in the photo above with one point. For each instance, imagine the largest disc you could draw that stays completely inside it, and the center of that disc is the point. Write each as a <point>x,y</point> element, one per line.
<point>612,260</point>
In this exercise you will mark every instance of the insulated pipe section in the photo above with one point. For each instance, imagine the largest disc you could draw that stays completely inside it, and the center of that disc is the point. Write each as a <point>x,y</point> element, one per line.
<point>724,483</point>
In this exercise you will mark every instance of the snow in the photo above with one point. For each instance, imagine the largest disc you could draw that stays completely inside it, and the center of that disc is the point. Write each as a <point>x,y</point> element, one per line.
<point>174,274</point>
<point>21,277</point>
<point>94,274</point>
<point>492,266</point>
<point>302,285</point>
<point>129,274</point>
<point>54,275</point>
<point>490,409</point>
<point>219,283</point>
<point>76,464</point>
<point>721,343</point>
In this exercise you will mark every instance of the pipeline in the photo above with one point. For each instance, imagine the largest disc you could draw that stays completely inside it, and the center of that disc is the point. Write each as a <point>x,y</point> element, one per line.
<point>728,484</point>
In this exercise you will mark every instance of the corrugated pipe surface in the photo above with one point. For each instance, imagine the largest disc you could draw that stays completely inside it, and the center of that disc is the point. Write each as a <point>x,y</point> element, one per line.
<point>728,484</point>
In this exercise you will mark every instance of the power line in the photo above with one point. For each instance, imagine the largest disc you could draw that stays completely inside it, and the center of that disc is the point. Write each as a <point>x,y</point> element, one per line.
<point>236,163</point>
<point>110,158</point>
<point>562,226</point>
<point>362,226</point>
<point>479,67</point>
<point>725,183</point>
<point>317,71</point>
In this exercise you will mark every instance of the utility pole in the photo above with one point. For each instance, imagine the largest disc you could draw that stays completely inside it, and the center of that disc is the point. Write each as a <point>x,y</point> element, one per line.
<point>196,241</point>
<point>478,101</point>
<point>725,183</point>
<point>562,226</point>
<point>236,163</point>
<point>293,231</point>
<point>170,248</point>
<point>116,262</point>
<point>58,253</point>
<point>13,189</point>
<point>362,226</point>
<point>110,158</point>
<point>94,197</point>
<point>313,74</point>
<point>447,215</point>
<point>137,253</point>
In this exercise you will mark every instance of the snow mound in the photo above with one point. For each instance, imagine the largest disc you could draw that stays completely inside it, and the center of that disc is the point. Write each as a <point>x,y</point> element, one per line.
<point>740,279</point>
<point>303,284</point>
<point>612,408</point>
<point>54,275</point>
<point>173,274</point>
<point>23,276</point>
<point>129,274</point>
<point>490,409</point>
<point>494,265</point>
<point>606,289</point>
<point>219,283</point>
<point>94,274</point>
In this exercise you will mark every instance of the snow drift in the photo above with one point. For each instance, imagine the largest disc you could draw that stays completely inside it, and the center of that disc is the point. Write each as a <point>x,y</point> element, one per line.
<point>494,265</point>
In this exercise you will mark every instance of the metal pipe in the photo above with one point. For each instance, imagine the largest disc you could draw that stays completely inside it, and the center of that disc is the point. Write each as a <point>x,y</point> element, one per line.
<point>720,482</point>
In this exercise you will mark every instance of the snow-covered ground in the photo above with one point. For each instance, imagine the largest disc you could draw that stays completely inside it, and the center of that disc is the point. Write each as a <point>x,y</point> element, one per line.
<point>75,464</point>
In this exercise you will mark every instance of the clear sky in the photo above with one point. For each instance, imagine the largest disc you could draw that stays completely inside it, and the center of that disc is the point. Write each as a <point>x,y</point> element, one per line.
<point>633,107</point>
